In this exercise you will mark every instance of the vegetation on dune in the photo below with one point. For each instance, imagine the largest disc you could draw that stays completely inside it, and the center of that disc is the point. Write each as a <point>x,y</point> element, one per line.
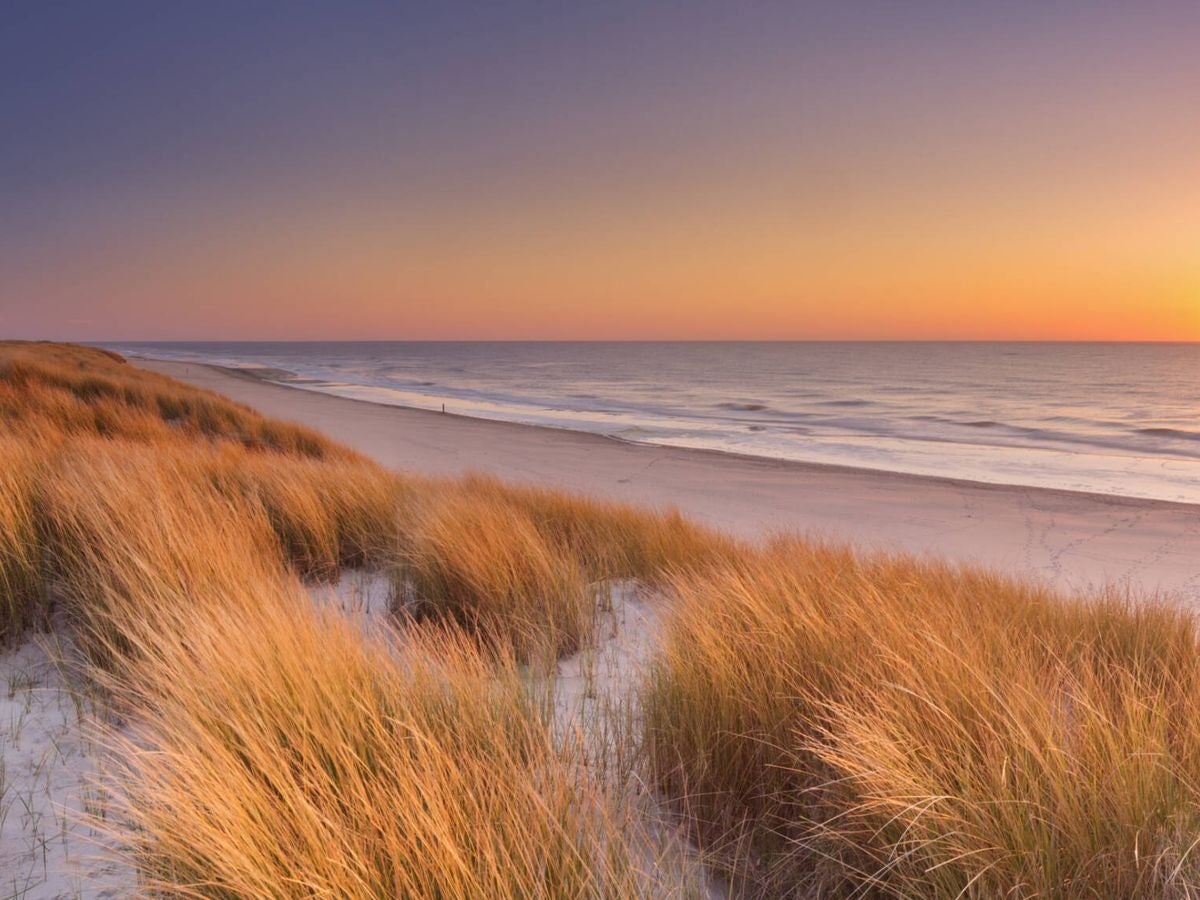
<point>278,751</point>
<point>485,566</point>
<point>330,509</point>
<point>527,565</point>
<point>64,408</point>
<point>22,588</point>
<point>608,540</point>
<point>312,763</point>
<point>328,514</point>
<point>827,724</point>
<point>883,725</point>
<point>137,540</point>
<point>71,390</point>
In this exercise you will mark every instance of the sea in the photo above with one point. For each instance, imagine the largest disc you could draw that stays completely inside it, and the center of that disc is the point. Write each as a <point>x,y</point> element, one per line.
<point>1121,419</point>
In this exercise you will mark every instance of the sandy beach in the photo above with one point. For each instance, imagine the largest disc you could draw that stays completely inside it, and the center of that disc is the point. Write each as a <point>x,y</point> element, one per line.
<point>1076,541</point>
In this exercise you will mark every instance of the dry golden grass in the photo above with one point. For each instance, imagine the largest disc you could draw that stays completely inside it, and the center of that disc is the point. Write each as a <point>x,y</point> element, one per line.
<point>329,507</point>
<point>327,514</point>
<point>518,563</point>
<point>310,763</point>
<point>483,564</point>
<point>525,565</point>
<point>135,536</point>
<point>22,588</point>
<point>83,390</point>
<point>887,726</point>
<point>278,751</point>
<point>826,722</point>
<point>609,540</point>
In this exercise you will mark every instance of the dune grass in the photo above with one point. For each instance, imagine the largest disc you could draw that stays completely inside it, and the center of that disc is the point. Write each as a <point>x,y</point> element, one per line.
<point>859,726</point>
<point>269,748</point>
<point>825,723</point>
<point>312,764</point>
<point>328,506</point>
<point>608,540</point>
<point>327,514</point>
<point>22,589</point>
<point>527,565</point>
<point>485,566</point>
<point>136,539</point>
<point>278,751</point>
<point>331,509</point>
<point>85,390</point>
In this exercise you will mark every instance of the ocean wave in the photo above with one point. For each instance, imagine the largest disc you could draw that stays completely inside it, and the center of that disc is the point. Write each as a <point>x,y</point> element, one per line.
<point>1179,433</point>
<point>743,407</point>
<point>266,373</point>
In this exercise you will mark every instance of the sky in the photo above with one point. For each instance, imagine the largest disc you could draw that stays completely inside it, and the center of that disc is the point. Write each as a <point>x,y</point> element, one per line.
<point>845,170</point>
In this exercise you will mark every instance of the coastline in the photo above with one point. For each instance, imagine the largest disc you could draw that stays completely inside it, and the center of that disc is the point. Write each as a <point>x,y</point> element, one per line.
<point>1074,540</point>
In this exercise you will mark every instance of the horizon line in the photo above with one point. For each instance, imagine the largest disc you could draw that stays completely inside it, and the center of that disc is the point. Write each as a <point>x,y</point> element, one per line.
<point>848,340</point>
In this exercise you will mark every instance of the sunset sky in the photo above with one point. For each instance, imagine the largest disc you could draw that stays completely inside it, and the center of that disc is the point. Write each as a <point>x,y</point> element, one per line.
<point>686,170</point>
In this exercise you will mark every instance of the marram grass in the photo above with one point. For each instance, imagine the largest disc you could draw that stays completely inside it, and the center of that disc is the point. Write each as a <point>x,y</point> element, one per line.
<point>22,586</point>
<point>824,723</point>
<point>891,726</point>
<point>276,750</point>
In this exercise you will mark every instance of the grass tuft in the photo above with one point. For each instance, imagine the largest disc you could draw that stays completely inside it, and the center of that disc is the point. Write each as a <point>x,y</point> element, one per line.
<point>22,586</point>
<point>484,565</point>
<point>525,566</point>
<point>338,770</point>
<point>85,390</point>
<point>886,725</point>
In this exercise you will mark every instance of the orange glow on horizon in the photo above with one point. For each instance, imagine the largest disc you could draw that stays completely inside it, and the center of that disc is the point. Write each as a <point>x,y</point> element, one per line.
<point>1036,181</point>
<point>748,277</point>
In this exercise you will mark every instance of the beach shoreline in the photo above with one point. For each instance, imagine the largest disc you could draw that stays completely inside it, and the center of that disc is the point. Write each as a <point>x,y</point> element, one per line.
<point>1005,413</point>
<point>1074,540</point>
<point>267,375</point>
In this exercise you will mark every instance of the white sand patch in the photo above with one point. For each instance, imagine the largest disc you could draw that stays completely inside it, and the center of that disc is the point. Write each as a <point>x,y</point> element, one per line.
<point>358,593</point>
<point>596,701</point>
<point>596,687</point>
<point>48,768</point>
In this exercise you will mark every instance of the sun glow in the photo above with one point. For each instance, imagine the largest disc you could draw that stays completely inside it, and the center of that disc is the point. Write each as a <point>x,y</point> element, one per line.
<point>820,177</point>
